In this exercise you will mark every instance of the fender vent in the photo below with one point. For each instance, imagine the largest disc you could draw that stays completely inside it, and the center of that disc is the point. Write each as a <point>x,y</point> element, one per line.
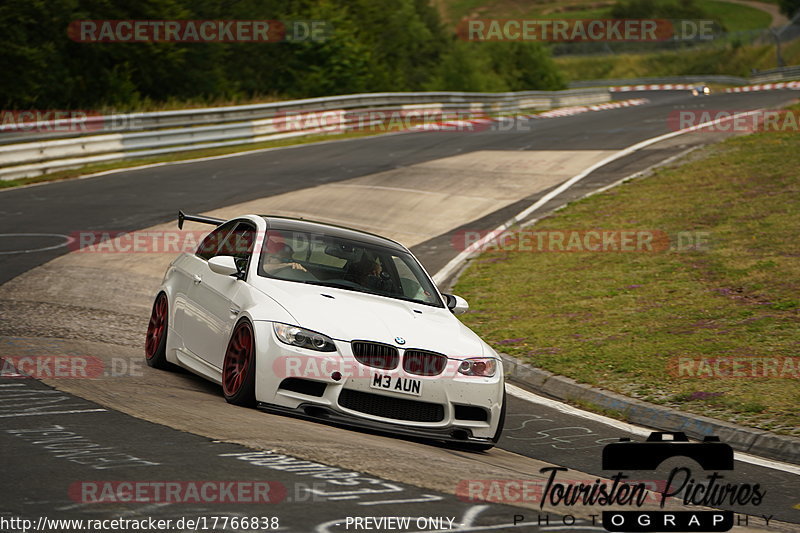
<point>303,386</point>
<point>471,412</point>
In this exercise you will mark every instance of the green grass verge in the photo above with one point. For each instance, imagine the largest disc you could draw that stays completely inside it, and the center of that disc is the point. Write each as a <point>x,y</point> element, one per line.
<point>729,60</point>
<point>620,320</point>
<point>735,17</point>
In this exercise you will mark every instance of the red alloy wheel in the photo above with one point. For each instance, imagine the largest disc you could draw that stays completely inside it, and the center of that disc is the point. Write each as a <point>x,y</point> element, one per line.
<point>157,326</point>
<point>238,359</point>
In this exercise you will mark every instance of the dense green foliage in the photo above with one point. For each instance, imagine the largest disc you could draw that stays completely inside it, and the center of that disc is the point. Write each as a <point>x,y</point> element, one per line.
<point>789,7</point>
<point>377,45</point>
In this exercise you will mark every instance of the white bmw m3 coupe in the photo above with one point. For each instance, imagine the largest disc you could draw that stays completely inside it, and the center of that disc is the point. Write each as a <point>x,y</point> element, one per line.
<point>329,323</point>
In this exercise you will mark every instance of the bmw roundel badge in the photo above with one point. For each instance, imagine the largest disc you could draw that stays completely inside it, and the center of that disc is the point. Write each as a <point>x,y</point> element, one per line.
<point>399,340</point>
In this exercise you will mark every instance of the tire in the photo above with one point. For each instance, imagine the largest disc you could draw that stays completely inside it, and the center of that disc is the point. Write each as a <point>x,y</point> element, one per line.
<point>155,344</point>
<point>239,366</point>
<point>488,446</point>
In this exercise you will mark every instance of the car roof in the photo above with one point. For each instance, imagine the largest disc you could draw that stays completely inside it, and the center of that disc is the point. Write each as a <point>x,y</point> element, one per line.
<point>310,226</point>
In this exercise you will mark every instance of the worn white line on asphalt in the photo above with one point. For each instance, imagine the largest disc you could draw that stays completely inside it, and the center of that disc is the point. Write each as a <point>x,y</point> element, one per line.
<point>375,228</point>
<point>403,189</point>
<point>67,240</point>
<point>54,413</point>
<point>472,513</point>
<point>386,188</point>
<point>423,499</point>
<point>458,260</point>
<point>531,397</point>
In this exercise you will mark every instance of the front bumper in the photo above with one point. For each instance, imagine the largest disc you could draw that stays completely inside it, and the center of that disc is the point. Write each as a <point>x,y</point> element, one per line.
<point>449,394</point>
<point>316,413</point>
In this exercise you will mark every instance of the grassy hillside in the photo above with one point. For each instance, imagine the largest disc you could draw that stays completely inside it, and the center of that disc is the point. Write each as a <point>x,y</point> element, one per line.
<point>730,60</point>
<point>734,17</point>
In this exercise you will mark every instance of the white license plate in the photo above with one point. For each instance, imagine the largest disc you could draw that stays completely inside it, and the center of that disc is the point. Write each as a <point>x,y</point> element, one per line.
<point>396,384</point>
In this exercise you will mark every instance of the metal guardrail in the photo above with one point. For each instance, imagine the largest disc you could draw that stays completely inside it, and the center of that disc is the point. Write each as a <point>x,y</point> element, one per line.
<point>776,74</point>
<point>35,148</point>
<point>765,76</point>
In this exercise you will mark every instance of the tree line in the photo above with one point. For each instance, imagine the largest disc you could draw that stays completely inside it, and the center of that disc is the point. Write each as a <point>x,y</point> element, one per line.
<point>373,46</point>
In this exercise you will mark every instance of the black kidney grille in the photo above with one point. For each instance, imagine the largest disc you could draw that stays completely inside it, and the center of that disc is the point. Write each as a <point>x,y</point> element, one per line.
<point>388,407</point>
<point>375,354</point>
<point>424,363</point>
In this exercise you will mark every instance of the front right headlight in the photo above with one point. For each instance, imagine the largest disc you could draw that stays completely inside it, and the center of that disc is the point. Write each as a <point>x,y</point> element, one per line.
<point>478,366</point>
<point>303,338</point>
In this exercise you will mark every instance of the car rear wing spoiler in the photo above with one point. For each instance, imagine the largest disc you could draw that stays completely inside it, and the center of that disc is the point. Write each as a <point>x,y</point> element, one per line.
<point>197,218</point>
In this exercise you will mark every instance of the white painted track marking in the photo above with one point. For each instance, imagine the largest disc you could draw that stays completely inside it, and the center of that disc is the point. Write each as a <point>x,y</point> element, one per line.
<point>67,240</point>
<point>636,430</point>
<point>12,415</point>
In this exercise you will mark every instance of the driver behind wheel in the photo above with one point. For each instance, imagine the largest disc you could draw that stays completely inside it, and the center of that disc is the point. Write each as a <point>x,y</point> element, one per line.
<point>279,256</point>
<point>369,273</point>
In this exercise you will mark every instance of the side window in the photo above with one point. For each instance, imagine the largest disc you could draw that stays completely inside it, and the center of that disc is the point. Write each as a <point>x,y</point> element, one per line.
<point>239,243</point>
<point>212,243</point>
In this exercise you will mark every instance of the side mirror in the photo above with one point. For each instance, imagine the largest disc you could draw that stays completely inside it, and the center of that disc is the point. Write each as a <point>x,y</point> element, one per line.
<point>223,264</point>
<point>456,304</point>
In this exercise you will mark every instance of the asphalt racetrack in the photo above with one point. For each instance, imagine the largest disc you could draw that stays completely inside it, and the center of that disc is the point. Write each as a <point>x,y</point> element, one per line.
<point>143,425</point>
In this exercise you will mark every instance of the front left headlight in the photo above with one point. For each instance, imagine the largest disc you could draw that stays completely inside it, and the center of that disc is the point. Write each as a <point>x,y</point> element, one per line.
<point>484,367</point>
<point>303,338</point>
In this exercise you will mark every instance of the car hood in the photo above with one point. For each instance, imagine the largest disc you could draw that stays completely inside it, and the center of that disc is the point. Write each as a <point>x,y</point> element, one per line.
<point>349,315</point>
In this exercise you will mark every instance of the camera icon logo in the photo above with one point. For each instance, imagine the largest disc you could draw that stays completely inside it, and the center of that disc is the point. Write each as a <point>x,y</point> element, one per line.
<point>711,454</point>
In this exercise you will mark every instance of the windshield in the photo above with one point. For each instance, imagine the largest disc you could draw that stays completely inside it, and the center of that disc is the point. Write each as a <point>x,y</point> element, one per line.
<point>345,264</point>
